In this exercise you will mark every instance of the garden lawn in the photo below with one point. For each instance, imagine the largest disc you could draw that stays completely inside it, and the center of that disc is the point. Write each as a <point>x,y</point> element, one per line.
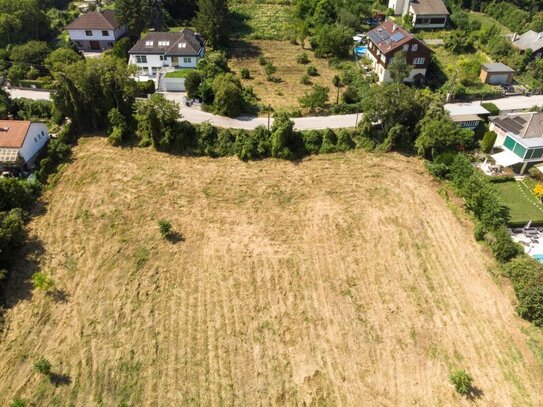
<point>488,21</point>
<point>261,21</point>
<point>180,73</point>
<point>523,204</point>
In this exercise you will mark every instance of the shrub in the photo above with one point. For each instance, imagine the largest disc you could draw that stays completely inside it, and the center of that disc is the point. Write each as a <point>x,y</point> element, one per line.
<point>492,108</point>
<point>225,143</point>
<point>329,142</point>
<point>17,402</point>
<point>145,88</point>
<point>165,227</point>
<point>269,69</point>
<point>43,366</point>
<point>42,281</point>
<point>316,98</point>
<point>312,141</point>
<point>228,95</point>
<point>503,248</point>
<point>206,139</point>
<point>250,146</point>
<point>302,58</point>
<point>245,74</point>
<point>488,141</point>
<point>312,71</point>
<point>262,60</point>
<point>192,84</point>
<point>344,141</point>
<point>462,381</point>
<point>305,80</point>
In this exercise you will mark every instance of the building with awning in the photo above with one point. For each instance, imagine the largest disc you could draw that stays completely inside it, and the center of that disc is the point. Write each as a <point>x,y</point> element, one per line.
<point>466,115</point>
<point>520,135</point>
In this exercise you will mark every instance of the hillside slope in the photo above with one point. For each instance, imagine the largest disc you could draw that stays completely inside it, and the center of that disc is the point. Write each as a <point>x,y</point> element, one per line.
<point>341,280</point>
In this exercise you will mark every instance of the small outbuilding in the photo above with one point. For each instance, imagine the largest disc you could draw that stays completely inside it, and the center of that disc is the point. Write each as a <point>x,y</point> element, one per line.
<point>497,74</point>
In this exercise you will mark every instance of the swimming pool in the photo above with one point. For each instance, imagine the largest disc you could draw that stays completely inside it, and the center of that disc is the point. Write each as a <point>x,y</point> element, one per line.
<point>361,50</point>
<point>538,257</point>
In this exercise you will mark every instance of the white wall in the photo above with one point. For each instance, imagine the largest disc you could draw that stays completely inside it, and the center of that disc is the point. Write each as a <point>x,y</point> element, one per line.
<point>153,61</point>
<point>77,35</point>
<point>35,140</point>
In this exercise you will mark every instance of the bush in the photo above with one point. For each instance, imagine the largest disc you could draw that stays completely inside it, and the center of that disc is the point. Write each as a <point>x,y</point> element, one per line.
<point>503,248</point>
<point>192,84</point>
<point>305,80</point>
<point>312,71</point>
<point>255,145</point>
<point>329,142</point>
<point>269,69</point>
<point>165,227</point>
<point>316,98</point>
<point>312,141</point>
<point>228,95</point>
<point>262,60</point>
<point>12,234</point>
<point>17,402</point>
<point>462,381</point>
<point>492,108</point>
<point>489,138</point>
<point>245,74</point>
<point>302,58</point>
<point>145,88</point>
<point>344,141</point>
<point>43,366</point>
<point>42,281</point>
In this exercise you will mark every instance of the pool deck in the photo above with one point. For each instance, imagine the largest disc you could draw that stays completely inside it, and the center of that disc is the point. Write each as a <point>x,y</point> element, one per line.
<point>531,239</point>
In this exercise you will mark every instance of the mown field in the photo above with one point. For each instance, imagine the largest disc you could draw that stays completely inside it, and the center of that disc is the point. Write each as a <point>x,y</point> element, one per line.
<point>522,203</point>
<point>344,279</point>
<point>284,93</point>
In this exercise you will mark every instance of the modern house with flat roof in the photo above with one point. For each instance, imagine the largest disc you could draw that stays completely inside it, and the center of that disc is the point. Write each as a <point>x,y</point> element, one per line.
<point>466,115</point>
<point>520,135</point>
<point>426,13</point>
<point>386,40</point>
<point>497,74</point>
<point>529,40</point>
<point>95,30</point>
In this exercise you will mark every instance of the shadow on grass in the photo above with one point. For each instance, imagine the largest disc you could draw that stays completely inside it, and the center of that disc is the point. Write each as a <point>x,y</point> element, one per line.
<point>475,393</point>
<point>60,379</point>
<point>243,50</point>
<point>175,237</point>
<point>238,24</point>
<point>59,295</point>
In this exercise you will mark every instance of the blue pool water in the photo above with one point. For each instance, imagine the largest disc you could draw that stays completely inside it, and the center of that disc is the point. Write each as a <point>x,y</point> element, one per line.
<point>361,50</point>
<point>538,257</point>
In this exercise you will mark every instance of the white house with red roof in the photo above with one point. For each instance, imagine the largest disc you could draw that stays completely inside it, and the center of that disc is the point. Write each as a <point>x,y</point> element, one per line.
<point>95,30</point>
<point>20,142</point>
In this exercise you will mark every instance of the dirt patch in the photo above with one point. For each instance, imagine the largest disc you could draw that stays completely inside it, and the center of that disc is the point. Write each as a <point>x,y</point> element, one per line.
<point>341,280</point>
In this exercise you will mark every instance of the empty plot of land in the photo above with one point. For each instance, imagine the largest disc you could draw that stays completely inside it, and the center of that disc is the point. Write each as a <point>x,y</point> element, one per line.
<point>339,280</point>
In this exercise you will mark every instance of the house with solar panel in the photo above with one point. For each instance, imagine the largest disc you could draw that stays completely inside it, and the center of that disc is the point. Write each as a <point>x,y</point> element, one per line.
<point>21,141</point>
<point>520,136</point>
<point>425,13</point>
<point>386,40</point>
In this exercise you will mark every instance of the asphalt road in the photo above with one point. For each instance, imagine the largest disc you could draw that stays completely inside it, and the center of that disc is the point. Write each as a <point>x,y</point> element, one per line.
<point>195,115</point>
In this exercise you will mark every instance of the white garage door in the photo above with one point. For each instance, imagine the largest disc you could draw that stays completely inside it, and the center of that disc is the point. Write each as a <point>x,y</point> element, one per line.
<point>498,79</point>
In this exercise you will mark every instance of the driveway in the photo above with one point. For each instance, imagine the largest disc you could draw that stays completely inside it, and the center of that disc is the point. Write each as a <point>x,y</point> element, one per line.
<point>511,103</point>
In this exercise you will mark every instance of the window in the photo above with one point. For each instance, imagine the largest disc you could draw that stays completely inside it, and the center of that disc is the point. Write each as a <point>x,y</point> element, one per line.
<point>414,47</point>
<point>162,57</point>
<point>164,43</point>
<point>187,60</point>
<point>149,43</point>
<point>88,33</point>
<point>141,59</point>
<point>419,61</point>
<point>105,33</point>
<point>78,43</point>
<point>406,47</point>
<point>182,45</point>
<point>110,44</point>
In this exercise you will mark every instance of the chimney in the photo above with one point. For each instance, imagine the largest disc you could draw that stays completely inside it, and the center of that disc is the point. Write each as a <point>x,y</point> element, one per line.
<point>394,27</point>
<point>515,36</point>
<point>10,117</point>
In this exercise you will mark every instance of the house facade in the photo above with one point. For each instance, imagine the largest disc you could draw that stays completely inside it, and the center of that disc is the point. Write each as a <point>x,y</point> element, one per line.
<point>20,142</point>
<point>157,50</point>
<point>466,115</point>
<point>95,31</point>
<point>520,135</point>
<point>496,74</point>
<point>425,13</point>
<point>386,40</point>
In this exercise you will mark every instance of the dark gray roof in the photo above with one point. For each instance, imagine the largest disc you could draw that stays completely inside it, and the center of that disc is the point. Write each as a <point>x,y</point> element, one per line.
<point>522,125</point>
<point>94,20</point>
<point>429,7</point>
<point>497,67</point>
<point>183,43</point>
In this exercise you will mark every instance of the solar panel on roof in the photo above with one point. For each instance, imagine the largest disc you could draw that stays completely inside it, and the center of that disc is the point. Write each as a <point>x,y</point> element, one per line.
<point>397,37</point>
<point>519,120</point>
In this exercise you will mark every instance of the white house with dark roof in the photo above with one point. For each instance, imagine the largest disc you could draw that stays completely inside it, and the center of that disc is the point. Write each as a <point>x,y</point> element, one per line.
<point>425,13</point>
<point>167,49</point>
<point>520,135</point>
<point>21,141</point>
<point>95,30</point>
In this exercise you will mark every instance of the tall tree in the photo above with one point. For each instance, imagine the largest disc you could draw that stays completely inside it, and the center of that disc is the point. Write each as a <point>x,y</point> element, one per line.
<point>131,13</point>
<point>399,68</point>
<point>212,22</point>
<point>156,15</point>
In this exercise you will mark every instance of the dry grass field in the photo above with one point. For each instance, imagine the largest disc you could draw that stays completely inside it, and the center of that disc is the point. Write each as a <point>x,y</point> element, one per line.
<point>341,280</point>
<point>284,94</point>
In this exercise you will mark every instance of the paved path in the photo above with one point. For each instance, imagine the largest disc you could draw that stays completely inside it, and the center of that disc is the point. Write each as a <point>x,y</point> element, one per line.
<point>195,115</point>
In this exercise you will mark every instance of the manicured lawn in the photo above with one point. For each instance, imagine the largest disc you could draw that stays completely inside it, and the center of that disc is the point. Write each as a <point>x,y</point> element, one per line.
<point>261,21</point>
<point>521,201</point>
<point>180,73</point>
<point>283,94</point>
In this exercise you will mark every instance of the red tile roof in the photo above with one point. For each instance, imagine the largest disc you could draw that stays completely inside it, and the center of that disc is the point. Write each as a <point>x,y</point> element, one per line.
<point>389,36</point>
<point>94,20</point>
<point>13,133</point>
